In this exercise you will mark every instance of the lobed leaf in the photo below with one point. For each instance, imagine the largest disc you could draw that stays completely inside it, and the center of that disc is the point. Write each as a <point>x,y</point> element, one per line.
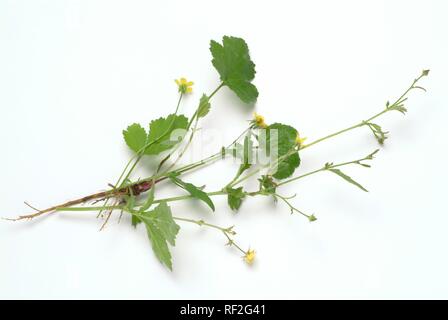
<point>232,61</point>
<point>160,130</point>
<point>135,137</point>
<point>285,144</point>
<point>161,229</point>
<point>159,138</point>
<point>235,197</point>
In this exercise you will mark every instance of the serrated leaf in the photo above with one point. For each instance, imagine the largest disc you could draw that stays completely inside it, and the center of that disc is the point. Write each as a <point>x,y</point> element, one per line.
<point>348,179</point>
<point>135,137</point>
<point>204,106</point>
<point>163,219</point>
<point>285,144</point>
<point>235,197</point>
<point>287,167</point>
<point>160,130</point>
<point>236,69</point>
<point>161,229</point>
<point>194,191</point>
<point>246,91</point>
<point>159,245</point>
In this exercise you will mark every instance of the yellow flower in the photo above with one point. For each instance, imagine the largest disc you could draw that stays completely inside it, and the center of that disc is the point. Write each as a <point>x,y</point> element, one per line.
<point>184,85</point>
<point>300,140</point>
<point>249,256</point>
<point>259,120</point>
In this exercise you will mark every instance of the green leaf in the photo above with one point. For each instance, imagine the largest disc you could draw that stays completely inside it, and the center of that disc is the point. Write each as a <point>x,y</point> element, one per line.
<point>236,69</point>
<point>194,191</point>
<point>267,184</point>
<point>163,219</point>
<point>235,197</point>
<point>135,137</point>
<point>287,167</point>
<point>160,130</point>
<point>246,91</point>
<point>347,178</point>
<point>204,106</point>
<point>378,132</point>
<point>159,245</point>
<point>285,144</point>
<point>161,229</point>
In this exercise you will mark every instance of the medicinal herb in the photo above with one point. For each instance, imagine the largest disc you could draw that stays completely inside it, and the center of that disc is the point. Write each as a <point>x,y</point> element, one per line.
<point>168,138</point>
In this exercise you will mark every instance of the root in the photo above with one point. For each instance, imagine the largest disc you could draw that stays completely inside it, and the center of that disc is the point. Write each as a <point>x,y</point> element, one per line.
<point>134,189</point>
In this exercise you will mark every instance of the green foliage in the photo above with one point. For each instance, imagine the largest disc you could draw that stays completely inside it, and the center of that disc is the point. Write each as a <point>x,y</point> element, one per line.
<point>233,63</point>
<point>160,130</point>
<point>135,137</point>
<point>287,154</point>
<point>236,69</point>
<point>267,184</point>
<point>159,137</point>
<point>162,230</point>
<point>235,197</point>
<point>397,107</point>
<point>204,106</point>
<point>378,132</point>
<point>347,178</point>
<point>194,191</point>
<point>287,167</point>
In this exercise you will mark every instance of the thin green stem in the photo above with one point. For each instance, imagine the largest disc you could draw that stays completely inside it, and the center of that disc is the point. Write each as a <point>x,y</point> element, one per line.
<point>251,174</point>
<point>203,223</point>
<point>194,118</point>
<point>140,152</point>
<point>292,208</point>
<point>171,199</point>
<point>226,231</point>
<point>209,98</point>
<point>400,100</point>
<point>325,168</point>
<point>362,123</point>
<point>216,90</point>
<point>197,164</point>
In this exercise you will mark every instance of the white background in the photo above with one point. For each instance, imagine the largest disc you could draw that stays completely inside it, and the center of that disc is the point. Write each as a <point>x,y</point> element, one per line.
<point>75,73</point>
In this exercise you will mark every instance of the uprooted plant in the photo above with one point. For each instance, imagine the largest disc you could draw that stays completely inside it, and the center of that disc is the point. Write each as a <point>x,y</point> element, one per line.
<point>268,152</point>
